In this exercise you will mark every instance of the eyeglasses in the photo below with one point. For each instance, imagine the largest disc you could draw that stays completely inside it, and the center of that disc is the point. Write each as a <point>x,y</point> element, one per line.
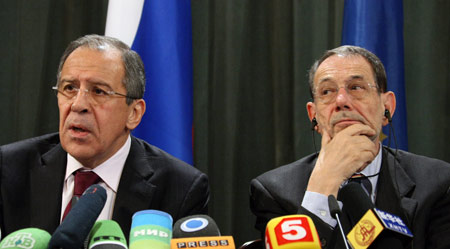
<point>327,92</point>
<point>98,94</point>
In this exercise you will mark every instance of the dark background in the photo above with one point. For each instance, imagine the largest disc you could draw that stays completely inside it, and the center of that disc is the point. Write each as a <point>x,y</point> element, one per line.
<point>250,86</point>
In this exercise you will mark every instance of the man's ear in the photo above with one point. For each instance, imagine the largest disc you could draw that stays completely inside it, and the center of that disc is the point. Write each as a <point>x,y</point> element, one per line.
<point>136,113</point>
<point>389,103</point>
<point>311,109</point>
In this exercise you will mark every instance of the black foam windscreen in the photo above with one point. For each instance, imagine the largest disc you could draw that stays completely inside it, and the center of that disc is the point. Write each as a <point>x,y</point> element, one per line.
<point>355,200</point>
<point>333,206</point>
<point>313,124</point>
<point>387,114</point>
<point>75,228</point>
<point>195,226</point>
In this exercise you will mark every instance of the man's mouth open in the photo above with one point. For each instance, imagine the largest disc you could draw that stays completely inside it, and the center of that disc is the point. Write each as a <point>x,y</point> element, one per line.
<point>78,131</point>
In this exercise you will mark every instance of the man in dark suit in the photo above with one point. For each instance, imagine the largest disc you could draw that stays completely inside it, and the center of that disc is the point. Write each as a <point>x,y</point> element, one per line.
<point>100,87</point>
<point>350,106</point>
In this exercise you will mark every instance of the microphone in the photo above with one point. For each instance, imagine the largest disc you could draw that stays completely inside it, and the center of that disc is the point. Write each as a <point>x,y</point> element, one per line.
<point>106,234</point>
<point>375,228</point>
<point>291,231</point>
<point>74,229</point>
<point>356,201</point>
<point>31,238</point>
<point>195,226</point>
<point>151,229</point>
<point>199,231</point>
<point>379,229</point>
<point>335,211</point>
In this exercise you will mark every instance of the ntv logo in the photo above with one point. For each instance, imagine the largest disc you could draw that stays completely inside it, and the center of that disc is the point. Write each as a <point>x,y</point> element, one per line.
<point>20,240</point>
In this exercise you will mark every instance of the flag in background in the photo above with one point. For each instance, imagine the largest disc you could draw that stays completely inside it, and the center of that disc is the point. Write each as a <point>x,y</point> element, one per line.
<point>377,25</point>
<point>160,32</point>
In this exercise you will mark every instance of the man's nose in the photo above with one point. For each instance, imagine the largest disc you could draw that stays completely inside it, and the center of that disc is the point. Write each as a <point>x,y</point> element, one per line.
<point>342,97</point>
<point>81,101</point>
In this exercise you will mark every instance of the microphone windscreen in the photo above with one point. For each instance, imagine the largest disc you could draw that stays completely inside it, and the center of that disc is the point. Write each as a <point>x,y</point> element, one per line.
<point>355,200</point>
<point>291,232</point>
<point>380,229</point>
<point>333,206</point>
<point>32,238</point>
<point>195,226</point>
<point>107,234</point>
<point>151,229</point>
<point>74,229</point>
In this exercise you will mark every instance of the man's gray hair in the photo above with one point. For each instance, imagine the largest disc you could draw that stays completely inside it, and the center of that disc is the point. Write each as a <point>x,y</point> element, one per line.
<point>134,79</point>
<point>374,61</point>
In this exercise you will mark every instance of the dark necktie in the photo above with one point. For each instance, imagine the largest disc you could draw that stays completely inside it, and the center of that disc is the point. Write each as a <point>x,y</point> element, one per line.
<point>83,180</point>
<point>363,181</point>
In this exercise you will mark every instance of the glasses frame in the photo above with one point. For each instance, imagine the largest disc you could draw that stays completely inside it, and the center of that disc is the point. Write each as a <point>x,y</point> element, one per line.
<point>110,93</point>
<point>320,98</point>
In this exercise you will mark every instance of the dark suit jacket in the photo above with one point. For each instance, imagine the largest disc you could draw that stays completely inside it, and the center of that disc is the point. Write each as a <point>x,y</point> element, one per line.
<point>32,175</point>
<point>416,188</point>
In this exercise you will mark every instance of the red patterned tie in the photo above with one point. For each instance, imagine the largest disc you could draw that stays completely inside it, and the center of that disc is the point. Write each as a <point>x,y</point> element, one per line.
<point>83,180</point>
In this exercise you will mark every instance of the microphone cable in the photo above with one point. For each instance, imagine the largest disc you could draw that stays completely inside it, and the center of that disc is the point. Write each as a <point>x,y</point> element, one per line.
<point>391,129</point>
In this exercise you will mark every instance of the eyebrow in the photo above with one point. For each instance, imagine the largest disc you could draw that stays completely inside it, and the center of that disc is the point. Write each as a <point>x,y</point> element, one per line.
<point>355,77</point>
<point>90,82</point>
<point>326,79</point>
<point>68,80</point>
<point>349,79</point>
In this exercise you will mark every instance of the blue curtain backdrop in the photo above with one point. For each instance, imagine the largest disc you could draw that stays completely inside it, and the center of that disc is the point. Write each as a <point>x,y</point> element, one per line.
<point>377,25</point>
<point>164,41</point>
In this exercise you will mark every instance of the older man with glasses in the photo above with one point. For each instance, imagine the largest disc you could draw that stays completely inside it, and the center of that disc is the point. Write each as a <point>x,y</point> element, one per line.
<point>350,106</point>
<point>100,86</point>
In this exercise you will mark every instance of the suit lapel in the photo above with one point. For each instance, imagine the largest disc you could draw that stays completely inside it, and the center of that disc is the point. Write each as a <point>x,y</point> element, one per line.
<point>135,191</point>
<point>395,188</point>
<point>47,181</point>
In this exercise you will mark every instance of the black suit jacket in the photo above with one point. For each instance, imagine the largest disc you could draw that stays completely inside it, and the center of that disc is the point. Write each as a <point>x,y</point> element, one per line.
<point>414,187</point>
<point>32,175</point>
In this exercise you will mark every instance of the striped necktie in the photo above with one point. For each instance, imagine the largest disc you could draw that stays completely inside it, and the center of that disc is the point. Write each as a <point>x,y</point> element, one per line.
<point>363,181</point>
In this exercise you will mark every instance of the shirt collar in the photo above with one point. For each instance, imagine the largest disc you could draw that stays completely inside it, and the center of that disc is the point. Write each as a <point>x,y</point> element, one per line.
<point>110,170</point>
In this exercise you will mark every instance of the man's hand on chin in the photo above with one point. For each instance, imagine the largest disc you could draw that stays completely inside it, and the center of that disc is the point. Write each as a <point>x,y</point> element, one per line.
<point>349,151</point>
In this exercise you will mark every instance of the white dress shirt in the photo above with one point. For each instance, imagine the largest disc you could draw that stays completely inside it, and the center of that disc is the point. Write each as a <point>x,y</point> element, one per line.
<point>109,172</point>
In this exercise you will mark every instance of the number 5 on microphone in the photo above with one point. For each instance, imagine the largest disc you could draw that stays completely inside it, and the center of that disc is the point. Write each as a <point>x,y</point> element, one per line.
<point>291,231</point>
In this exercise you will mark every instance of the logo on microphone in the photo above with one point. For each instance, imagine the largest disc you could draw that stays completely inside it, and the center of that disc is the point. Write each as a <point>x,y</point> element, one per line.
<point>294,229</point>
<point>214,242</point>
<point>393,222</point>
<point>19,240</point>
<point>291,231</point>
<point>203,243</point>
<point>194,224</point>
<point>365,233</point>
